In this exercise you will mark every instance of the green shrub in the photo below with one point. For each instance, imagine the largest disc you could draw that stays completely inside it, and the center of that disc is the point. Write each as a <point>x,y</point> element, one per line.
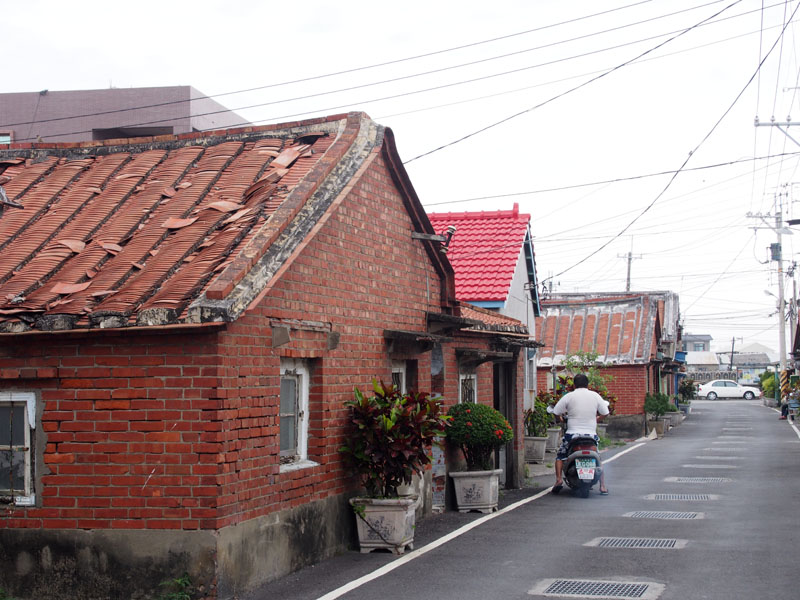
<point>392,437</point>
<point>537,420</point>
<point>656,404</point>
<point>478,430</point>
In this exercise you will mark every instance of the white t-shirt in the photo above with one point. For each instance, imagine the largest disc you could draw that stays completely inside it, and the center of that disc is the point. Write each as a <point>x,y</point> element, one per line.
<point>582,406</point>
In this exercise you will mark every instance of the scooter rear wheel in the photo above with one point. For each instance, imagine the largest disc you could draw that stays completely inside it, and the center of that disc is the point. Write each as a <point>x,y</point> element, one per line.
<point>584,489</point>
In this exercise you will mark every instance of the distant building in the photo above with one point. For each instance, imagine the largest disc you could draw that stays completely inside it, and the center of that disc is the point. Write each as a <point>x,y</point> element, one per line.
<point>748,365</point>
<point>696,343</point>
<point>86,115</point>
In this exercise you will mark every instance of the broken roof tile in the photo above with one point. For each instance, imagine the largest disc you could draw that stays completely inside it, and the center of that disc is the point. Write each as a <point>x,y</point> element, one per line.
<point>118,230</point>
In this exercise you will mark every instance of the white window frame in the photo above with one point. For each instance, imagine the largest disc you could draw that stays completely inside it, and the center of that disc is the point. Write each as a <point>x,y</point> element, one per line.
<point>28,497</point>
<point>399,367</point>
<point>461,378</point>
<point>298,370</point>
<point>7,134</point>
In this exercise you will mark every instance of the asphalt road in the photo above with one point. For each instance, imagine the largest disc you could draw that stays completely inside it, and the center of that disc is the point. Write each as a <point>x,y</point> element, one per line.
<point>721,491</point>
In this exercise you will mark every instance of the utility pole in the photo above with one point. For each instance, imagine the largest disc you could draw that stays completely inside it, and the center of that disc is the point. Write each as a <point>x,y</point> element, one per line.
<point>733,343</point>
<point>630,258</point>
<point>776,256</point>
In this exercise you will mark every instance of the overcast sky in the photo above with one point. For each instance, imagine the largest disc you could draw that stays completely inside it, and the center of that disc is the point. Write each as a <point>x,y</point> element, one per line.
<point>580,111</point>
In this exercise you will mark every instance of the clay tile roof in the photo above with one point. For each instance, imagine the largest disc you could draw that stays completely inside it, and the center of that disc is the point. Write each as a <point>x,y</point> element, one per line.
<point>157,231</point>
<point>621,329</point>
<point>484,251</point>
<point>492,321</point>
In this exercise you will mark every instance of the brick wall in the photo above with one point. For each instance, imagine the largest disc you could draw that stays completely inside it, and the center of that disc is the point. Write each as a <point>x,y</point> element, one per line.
<point>629,383</point>
<point>179,430</point>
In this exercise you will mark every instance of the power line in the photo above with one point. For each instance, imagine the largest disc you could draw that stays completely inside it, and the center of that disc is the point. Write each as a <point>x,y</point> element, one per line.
<point>573,89</point>
<point>615,180</point>
<point>688,158</point>
<point>419,91</point>
<point>367,67</point>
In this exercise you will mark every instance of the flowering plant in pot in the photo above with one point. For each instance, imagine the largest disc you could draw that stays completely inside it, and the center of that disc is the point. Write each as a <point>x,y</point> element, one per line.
<point>536,420</point>
<point>477,430</point>
<point>391,437</point>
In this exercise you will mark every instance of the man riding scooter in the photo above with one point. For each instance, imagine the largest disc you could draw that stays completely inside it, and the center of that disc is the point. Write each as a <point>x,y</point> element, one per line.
<point>584,409</point>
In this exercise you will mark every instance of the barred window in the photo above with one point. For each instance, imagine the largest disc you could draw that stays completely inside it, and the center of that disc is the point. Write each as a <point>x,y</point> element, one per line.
<point>293,411</point>
<point>468,388</point>
<point>17,420</point>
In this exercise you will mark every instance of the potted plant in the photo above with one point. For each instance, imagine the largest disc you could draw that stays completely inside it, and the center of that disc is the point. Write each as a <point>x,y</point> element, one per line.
<point>536,421</point>
<point>477,430</point>
<point>391,440</point>
<point>655,405</point>
<point>553,431</point>
<point>686,392</point>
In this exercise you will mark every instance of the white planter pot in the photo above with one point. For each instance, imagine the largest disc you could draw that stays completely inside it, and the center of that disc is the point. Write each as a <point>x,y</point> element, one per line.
<point>602,429</point>
<point>553,438</point>
<point>386,523</point>
<point>477,490</point>
<point>535,449</point>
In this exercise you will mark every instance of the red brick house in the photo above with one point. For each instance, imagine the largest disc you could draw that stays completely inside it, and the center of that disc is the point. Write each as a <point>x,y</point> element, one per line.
<point>181,318</point>
<point>635,334</point>
<point>495,268</point>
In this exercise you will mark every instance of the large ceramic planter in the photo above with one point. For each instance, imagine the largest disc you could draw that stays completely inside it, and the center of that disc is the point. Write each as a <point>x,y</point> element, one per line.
<point>385,523</point>
<point>535,449</point>
<point>660,426</point>
<point>675,418</point>
<point>685,408</point>
<point>477,490</point>
<point>602,429</point>
<point>553,438</point>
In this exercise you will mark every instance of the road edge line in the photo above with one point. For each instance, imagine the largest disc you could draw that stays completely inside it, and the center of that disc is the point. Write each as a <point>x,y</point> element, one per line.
<point>388,568</point>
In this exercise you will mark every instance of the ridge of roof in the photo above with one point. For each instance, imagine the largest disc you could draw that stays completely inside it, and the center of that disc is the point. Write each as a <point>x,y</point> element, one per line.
<point>497,214</point>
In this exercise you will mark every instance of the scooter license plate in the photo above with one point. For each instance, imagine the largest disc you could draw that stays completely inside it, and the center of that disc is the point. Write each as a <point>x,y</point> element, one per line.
<point>585,467</point>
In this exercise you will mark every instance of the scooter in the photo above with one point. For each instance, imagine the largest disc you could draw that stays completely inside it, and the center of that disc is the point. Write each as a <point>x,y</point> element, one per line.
<point>582,467</point>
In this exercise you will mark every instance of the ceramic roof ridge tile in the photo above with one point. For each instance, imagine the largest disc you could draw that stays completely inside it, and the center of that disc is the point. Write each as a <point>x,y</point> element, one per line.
<point>115,263</point>
<point>74,202</point>
<point>184,242</point>
<point>120,224</point>
<point>118,268</point>
<point>40,196</point>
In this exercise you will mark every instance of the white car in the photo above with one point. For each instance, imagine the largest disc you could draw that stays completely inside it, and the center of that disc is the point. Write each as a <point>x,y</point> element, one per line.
<point>722,388</point>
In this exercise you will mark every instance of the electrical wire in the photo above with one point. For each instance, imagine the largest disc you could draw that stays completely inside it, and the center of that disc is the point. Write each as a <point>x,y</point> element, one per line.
<point>384,64</point>
<point>688,158</point>
<point>423,90</point>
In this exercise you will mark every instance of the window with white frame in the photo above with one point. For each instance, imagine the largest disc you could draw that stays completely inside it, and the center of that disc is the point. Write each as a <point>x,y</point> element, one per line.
<point>468,387</point>
<point>17,422</point>
<point>399,375</point>
<point>293,413</point>
<point>6,137</point>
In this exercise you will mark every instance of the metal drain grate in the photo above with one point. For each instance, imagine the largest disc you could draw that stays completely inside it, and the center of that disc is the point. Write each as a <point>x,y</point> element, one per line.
<point>596,589</point>
<point>663,514</point>
<point>710,466</point>
<point>698,479</point>
<point>708,457</point>
<point>689,497</point>
<point>638,543</point>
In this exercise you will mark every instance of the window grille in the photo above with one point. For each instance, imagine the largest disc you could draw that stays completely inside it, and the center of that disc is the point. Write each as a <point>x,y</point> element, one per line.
<point>468,388</point>
<point>17,413</point>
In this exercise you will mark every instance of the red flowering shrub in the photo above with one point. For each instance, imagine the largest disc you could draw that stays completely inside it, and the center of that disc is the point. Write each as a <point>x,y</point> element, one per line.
<point>477,430</point>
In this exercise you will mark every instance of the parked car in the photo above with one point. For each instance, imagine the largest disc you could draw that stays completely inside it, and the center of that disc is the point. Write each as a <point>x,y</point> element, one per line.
<point>722,388</point>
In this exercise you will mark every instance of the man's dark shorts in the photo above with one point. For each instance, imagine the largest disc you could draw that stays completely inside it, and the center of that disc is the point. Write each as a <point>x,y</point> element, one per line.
<point>562,449</point>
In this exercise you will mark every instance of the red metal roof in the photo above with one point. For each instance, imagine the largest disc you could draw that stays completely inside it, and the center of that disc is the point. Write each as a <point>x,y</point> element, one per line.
<point>484,251</point>
<point>126,232</point>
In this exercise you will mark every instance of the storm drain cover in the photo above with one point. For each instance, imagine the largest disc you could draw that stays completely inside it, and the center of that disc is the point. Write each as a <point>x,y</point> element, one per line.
<point>637,543</point>
<point>582,588</point>
<point>698,479</point>
<point>723,448</point>
<point>710,466</point>
<point>690,497</point>
<point>663,514</point>
<point>737,429</point>
<point>707,457</point>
